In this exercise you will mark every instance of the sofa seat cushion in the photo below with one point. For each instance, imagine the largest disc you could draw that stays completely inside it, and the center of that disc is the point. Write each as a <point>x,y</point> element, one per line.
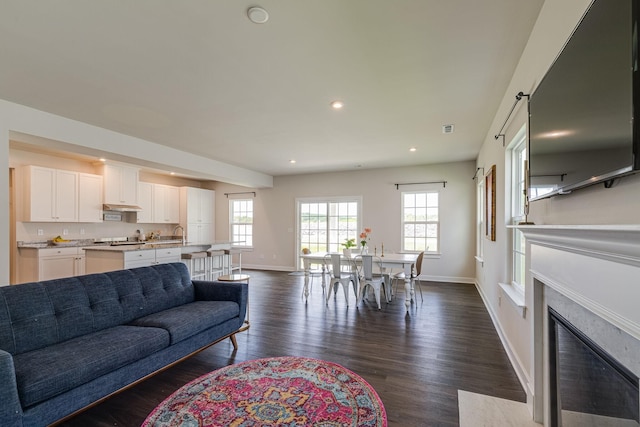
<point>47,372</point>
<point>187,320</point>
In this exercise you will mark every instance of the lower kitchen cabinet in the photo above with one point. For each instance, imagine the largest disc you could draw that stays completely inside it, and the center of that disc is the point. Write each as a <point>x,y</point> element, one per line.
<point>135,259</point>
<point>37,264</point>
<point>99,261</point>
<point>167,255</point>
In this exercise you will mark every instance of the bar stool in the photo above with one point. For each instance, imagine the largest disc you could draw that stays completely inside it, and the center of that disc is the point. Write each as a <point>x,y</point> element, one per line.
<point>230,268</point>
<point>216,263</point>
<point>243,278</point>
<point>197,264</point>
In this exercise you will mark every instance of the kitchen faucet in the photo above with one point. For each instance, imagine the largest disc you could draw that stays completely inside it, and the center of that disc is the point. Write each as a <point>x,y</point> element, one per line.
<point>181,233</point>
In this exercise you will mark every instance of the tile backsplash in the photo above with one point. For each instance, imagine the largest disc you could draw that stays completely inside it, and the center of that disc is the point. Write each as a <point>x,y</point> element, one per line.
<point>41,231</point>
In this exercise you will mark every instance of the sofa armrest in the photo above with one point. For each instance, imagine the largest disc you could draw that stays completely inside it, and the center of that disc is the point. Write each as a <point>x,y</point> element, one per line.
<point>10,409</point>
<point>223,291</point>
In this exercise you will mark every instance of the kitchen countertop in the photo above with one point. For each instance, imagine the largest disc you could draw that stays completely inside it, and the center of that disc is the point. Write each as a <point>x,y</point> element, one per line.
<point>141,247</point>
<point>149,245</point>
<point>126,248</point>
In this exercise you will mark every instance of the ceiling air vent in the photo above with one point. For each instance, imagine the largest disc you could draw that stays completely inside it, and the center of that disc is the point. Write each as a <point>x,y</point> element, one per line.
<point>447,128</point>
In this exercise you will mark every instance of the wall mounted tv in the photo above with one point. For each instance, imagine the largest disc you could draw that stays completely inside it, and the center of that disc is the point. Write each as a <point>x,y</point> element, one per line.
<point>581,115</point>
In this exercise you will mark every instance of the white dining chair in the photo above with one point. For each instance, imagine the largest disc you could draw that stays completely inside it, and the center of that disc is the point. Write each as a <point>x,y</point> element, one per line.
<point>313,273</point>
<point>342,273</point>
<point>416,269</point>
<point>367,278</point>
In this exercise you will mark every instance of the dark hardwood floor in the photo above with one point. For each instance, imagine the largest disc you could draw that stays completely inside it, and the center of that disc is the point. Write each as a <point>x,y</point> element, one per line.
<point>416,362</point>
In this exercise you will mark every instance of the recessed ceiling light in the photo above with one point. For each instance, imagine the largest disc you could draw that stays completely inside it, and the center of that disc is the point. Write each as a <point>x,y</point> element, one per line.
<point>292,161</point>
<point>102,159</point>
<point>412,149</point>
<point>336,105</point>
<point>257,15</point>
<point>172,173</point>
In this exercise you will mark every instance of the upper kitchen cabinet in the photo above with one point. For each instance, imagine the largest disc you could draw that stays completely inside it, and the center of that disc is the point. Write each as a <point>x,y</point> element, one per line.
<point>160,203</point>
<point>89,198</point>
<point>145,201</point>
<point>197,205</point>
<point>166,204</point>
<point>120,184</point>
<point>197,214</point>
<point>51,195</point>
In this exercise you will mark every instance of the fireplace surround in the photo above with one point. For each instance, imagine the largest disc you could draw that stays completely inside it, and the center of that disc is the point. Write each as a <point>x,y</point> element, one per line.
<point>590,275</point>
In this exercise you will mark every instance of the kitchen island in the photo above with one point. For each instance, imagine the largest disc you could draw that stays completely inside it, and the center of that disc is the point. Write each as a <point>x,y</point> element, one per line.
<point>99,259</point>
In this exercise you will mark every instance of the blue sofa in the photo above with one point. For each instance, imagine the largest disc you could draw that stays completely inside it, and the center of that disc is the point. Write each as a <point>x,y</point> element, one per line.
<point>66,344</point>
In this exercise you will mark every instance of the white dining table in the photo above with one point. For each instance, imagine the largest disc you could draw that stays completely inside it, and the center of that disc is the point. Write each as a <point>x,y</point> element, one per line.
<point>402,261</point>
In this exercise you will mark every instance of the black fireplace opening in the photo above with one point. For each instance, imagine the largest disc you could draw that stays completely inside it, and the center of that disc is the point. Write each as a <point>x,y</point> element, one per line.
<point>585,379</point>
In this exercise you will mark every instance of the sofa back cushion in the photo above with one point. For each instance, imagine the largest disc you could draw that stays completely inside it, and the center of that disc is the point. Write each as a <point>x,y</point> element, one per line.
<point>35,315</point>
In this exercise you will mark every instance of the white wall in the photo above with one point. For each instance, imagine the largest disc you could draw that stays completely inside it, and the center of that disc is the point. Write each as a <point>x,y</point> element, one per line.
<point>275,210</point>
<point>594,205</point>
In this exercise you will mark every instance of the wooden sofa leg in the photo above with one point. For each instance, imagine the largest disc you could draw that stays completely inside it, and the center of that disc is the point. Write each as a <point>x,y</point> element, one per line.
<point>233,341</point>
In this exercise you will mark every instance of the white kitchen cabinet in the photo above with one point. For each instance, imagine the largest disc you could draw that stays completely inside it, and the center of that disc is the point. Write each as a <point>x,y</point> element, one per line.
<point>200,233</point>
<point>160,203</point>
<point>197,205</point>
<point>145,201</point>
<point>167,255</point>
<point>197,214</point>
<point>89,198</point>
<point>120,184</point>
<point>135,259</point>
<point>62,262</point>
<point>166,204</point>
<point>51,195</point>
<point>99,261</point>
<point>50,263</point>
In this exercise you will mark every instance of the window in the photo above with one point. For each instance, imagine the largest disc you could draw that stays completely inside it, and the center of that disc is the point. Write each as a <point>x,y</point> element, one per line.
<point>324,224</point>
<point>518,170</point>
<point>241,222</point>
<point>420,221</point>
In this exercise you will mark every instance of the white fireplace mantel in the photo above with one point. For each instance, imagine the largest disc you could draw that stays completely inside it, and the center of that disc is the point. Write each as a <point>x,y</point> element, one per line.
<point>594,267</point>
<point>618,243</point>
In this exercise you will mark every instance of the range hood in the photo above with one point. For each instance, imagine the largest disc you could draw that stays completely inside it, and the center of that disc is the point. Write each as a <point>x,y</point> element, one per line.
<point>121,208</point>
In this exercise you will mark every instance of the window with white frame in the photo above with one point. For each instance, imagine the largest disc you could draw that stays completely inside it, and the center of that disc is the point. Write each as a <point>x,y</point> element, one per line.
<point>420,221</point>
<point>241,222</point>
<point>518,149</point>
<point>324,224</point>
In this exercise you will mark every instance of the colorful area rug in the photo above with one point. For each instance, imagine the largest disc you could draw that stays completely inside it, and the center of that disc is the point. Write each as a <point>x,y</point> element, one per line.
<point>280,391</point>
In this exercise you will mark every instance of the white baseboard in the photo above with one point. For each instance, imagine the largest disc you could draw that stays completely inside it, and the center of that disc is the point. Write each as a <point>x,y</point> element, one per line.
<point>515,361</point>
<point>447,279</point>
<point>268,267</point>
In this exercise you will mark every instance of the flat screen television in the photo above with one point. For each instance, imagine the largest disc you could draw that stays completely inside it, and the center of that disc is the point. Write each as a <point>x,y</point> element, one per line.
<point>581,116</point>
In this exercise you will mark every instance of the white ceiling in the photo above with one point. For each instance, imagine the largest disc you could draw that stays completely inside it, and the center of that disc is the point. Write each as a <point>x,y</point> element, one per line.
<point>198,76</point>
